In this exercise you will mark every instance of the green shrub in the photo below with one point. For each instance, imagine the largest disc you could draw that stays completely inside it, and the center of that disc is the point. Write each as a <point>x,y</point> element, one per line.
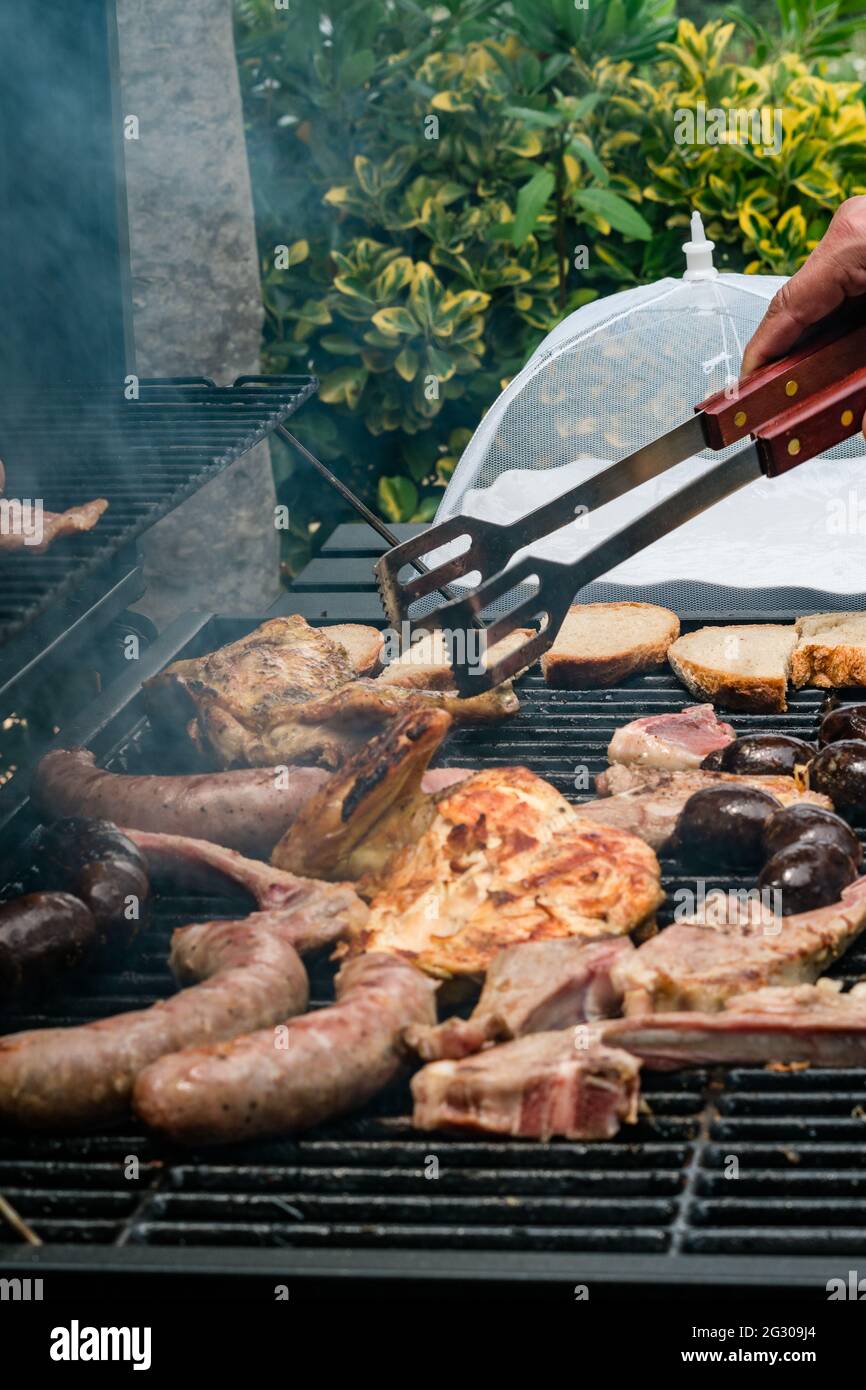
<point>430,174</point>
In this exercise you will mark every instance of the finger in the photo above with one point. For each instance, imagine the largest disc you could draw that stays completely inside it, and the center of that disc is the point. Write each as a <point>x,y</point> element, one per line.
<point>834,272</point>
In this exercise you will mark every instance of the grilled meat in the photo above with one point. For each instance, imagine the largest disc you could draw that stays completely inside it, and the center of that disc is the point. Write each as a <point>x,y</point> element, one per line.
<point>334,1060</point>
<point>535,987</point>
<point>249,974</point>
<point>247,810</point>
<point>699,965</point>
<point>373,806</point>
<point>647,801</point>
<point>537,1087</point>
<point>55,525</point>
<point>670,742</point>
<point>291,693</point>
<point>787,1023</point>
<point>504,859</point>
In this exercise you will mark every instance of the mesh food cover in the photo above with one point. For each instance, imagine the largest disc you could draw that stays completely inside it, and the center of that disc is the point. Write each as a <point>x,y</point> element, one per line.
<point>613,376</point>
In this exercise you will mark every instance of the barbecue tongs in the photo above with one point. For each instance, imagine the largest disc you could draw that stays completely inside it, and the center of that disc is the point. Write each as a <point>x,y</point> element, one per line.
<point>793,409</point>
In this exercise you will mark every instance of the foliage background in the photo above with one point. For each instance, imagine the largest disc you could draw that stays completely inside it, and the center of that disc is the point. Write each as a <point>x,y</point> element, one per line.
<point>411,258</point>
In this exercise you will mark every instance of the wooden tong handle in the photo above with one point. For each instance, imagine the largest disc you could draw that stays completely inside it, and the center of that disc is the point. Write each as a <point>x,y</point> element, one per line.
<point>824,419</point>
<point>729,418</point>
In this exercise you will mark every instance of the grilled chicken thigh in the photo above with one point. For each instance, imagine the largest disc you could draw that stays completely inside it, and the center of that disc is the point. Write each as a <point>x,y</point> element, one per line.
<point>504,859</point>
<point>291,693</point>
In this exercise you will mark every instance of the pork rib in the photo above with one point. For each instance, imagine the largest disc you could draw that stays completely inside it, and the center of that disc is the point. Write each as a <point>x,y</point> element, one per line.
<point>542,1085</point>
<point>535,987</point>
<point>788,1024</point>
<point>699,965</point>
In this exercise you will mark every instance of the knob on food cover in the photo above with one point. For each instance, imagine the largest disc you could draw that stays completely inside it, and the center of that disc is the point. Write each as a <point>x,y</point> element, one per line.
<point>699,252</point>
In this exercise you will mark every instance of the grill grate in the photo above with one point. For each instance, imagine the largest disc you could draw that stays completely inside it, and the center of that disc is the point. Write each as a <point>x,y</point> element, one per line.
<point>659,1190</point>
<point>67,446</point>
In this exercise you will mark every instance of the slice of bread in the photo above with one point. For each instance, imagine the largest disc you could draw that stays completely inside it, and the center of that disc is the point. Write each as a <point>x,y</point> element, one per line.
<point>363,645</point>
<point>601,643</point>
<point>425,665</point>
<point>743,667</point>
<point>831,650</point>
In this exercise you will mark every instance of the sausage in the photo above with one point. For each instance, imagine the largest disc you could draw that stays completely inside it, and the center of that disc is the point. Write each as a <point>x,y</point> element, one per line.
<point>246,810</point>
<point>101,866</point>
<point>250,976</point>
<point>335,1060</point>
<point>41,936</point>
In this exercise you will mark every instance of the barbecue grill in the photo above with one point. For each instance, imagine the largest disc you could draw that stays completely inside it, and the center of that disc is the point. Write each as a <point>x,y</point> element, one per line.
<point>652,1208</point>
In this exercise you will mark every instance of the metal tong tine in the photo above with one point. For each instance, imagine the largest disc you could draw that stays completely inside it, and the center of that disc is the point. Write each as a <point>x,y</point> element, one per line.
<point>816,390</point>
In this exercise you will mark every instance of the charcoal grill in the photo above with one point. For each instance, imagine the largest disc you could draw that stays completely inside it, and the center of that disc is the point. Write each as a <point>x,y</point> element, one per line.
<point>651,1209</point>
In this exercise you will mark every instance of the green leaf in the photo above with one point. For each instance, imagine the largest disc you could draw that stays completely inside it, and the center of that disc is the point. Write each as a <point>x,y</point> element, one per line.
<point>529,116</point>
<point>396,321</point>
<point>587,155</point>
<point>357,68</point>
<point>531,200</point>
<point>427,510</point>
<point>343,386</point>
<point>615,210</point>
<point>397,498</point>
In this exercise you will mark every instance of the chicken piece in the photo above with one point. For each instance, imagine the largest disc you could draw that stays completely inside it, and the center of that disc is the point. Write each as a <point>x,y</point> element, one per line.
<point>535,987</point>
<point>373,806</point>
<point>543,1085</point>
<point>671,742</point>
<point>282,662</point>
<point>291,693</point>
<point>699,965</point>
<point>504,859</point>
<point>816,1024</point>
<point>647,801</point>
<point>55,525</point>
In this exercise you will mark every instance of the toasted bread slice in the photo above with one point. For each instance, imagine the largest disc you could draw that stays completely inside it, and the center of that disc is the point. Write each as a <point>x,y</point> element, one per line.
<point>601,643</point>
<point>831,650</point>
<point>744,667</point>
<point>363,645</point>
<point>425,665</point>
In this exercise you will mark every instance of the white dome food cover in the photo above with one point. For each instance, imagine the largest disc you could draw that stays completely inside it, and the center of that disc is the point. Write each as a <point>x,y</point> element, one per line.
<point>613,376</point>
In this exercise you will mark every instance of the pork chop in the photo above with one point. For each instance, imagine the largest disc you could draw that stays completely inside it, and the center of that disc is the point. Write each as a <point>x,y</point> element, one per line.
<point>537,1087</point>
<point>670,742</point>
<point>699,965</point>
<point>535,987</point>
<point>787,1023</point>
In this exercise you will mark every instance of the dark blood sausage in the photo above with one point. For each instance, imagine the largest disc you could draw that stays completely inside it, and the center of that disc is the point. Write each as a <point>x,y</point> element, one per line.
<point>95,861</point>
<point>247,810</point>
<point>42,935</point>
<point>333,1060</point>
<point>250,976</point>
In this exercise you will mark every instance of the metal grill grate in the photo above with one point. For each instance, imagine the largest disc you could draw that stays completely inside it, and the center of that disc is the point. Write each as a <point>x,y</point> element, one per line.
<point>653,1200</point>
<point>145,456</point>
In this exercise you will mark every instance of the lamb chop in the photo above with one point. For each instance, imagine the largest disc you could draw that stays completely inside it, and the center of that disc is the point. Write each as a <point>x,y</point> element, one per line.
<point>785,1024</point>
<point>698,965</point>
<point>535,987</point>
<point>670,742</point>
<point>543,1085</point>
<point>291,693</point>
<point>647,801</point>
